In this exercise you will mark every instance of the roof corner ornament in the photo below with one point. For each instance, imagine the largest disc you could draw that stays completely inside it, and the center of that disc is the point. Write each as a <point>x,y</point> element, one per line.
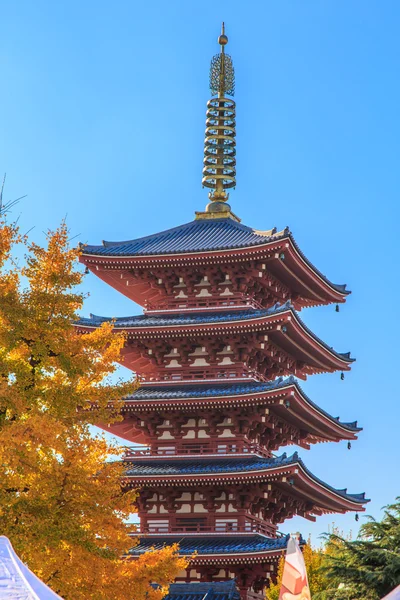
<point>219,170</point>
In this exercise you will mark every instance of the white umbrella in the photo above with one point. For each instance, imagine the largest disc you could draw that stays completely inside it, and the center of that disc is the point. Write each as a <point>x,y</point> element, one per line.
<point>394,594</point>
<point>17,582</point>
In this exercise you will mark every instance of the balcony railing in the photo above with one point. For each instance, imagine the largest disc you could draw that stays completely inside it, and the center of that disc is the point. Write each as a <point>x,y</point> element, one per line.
<point>236,301</point>
<point>209,373</point>
<point>194,449</point>
<point>218,528</point>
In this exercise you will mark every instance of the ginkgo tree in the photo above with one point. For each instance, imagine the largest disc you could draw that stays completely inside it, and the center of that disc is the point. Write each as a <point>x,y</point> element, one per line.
<point>61,502</point>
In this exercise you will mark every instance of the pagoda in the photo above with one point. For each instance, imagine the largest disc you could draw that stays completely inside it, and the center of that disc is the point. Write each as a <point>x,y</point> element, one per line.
<point>219,351</point>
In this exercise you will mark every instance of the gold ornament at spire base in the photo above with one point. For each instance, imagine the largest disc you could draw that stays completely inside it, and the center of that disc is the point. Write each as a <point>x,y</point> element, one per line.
<point>219,171</point>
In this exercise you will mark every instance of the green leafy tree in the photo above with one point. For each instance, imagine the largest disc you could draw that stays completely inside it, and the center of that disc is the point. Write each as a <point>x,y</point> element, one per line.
<point>366,568</point>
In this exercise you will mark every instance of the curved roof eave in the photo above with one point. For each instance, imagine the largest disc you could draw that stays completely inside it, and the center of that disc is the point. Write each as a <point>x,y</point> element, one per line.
<point>142,321</point>
<point>214,545</point>
<point>192,237</point>
<point>200,391</point>
<point>220,467</point>
<point>200,236</point>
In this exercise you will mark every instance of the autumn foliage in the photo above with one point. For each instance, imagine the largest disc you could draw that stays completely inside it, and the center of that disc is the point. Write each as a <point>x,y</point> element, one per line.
<point>61,503</point>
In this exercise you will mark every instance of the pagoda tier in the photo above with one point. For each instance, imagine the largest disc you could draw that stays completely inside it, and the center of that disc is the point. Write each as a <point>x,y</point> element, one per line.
<point>240,494</point>
<point>233,418</point>
<point>248,558</point>
<point>255,344</point>
<point>214,263</point>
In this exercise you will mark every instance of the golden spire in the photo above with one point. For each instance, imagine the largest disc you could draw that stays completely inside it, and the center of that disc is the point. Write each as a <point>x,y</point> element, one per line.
<point>219,171</point>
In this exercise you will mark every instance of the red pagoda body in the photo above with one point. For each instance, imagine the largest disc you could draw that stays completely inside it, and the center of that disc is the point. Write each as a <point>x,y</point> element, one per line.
<point>218,350</point>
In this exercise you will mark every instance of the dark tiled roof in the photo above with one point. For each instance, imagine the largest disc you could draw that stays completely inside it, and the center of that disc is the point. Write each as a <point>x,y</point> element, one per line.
<point>199,318</point>
<point>200,236</point>
<point>216,590</point>
<point>208,465</point>
<point>233,389</point>
<point>228,465</point>
<point>212,544</point>
<point>209,390</point>
<point>196,236</point>
<point>185,318</point>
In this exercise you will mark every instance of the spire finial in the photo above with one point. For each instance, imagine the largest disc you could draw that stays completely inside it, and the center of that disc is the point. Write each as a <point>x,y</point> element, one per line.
<point>223,39</point>
<point>219,172</point>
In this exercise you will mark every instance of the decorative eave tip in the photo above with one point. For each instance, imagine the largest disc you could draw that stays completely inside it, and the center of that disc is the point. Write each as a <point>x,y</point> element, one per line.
<point>219,171</point>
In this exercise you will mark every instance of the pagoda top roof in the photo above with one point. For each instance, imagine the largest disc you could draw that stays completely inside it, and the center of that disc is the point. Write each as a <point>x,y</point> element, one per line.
<point>176,392</point>
<point>216,590</point>
<point>195,236</point>
<point>235,544</point>
<point>206,466</point>
<point>199,236</point>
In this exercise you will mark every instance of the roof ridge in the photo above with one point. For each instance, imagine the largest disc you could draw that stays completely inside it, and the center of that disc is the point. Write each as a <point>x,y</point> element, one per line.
<point>194,223</point>
<point>194,236</point>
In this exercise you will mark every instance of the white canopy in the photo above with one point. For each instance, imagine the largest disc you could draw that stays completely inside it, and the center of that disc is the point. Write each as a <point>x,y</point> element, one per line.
<point>17,582</point>
<point>394,594</point>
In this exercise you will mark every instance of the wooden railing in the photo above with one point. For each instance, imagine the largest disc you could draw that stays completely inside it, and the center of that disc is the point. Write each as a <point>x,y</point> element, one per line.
<point>215,448</point>
<point>219,373</point>
<point>218,528</point>
<point>237,301</point>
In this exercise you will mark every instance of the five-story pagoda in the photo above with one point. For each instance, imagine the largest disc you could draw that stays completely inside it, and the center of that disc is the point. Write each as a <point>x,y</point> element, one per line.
<point>219,349</point>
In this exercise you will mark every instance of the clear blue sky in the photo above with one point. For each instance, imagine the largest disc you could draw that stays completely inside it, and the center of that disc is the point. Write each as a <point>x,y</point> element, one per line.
<point>102,118</point>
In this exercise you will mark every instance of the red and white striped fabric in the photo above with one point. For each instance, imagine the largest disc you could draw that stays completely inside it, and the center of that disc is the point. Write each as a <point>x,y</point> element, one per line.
<point>294,580</point>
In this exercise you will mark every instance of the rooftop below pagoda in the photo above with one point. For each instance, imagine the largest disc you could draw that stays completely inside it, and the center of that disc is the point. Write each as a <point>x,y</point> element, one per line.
<point>205,590</point>
<point>168,270</point>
